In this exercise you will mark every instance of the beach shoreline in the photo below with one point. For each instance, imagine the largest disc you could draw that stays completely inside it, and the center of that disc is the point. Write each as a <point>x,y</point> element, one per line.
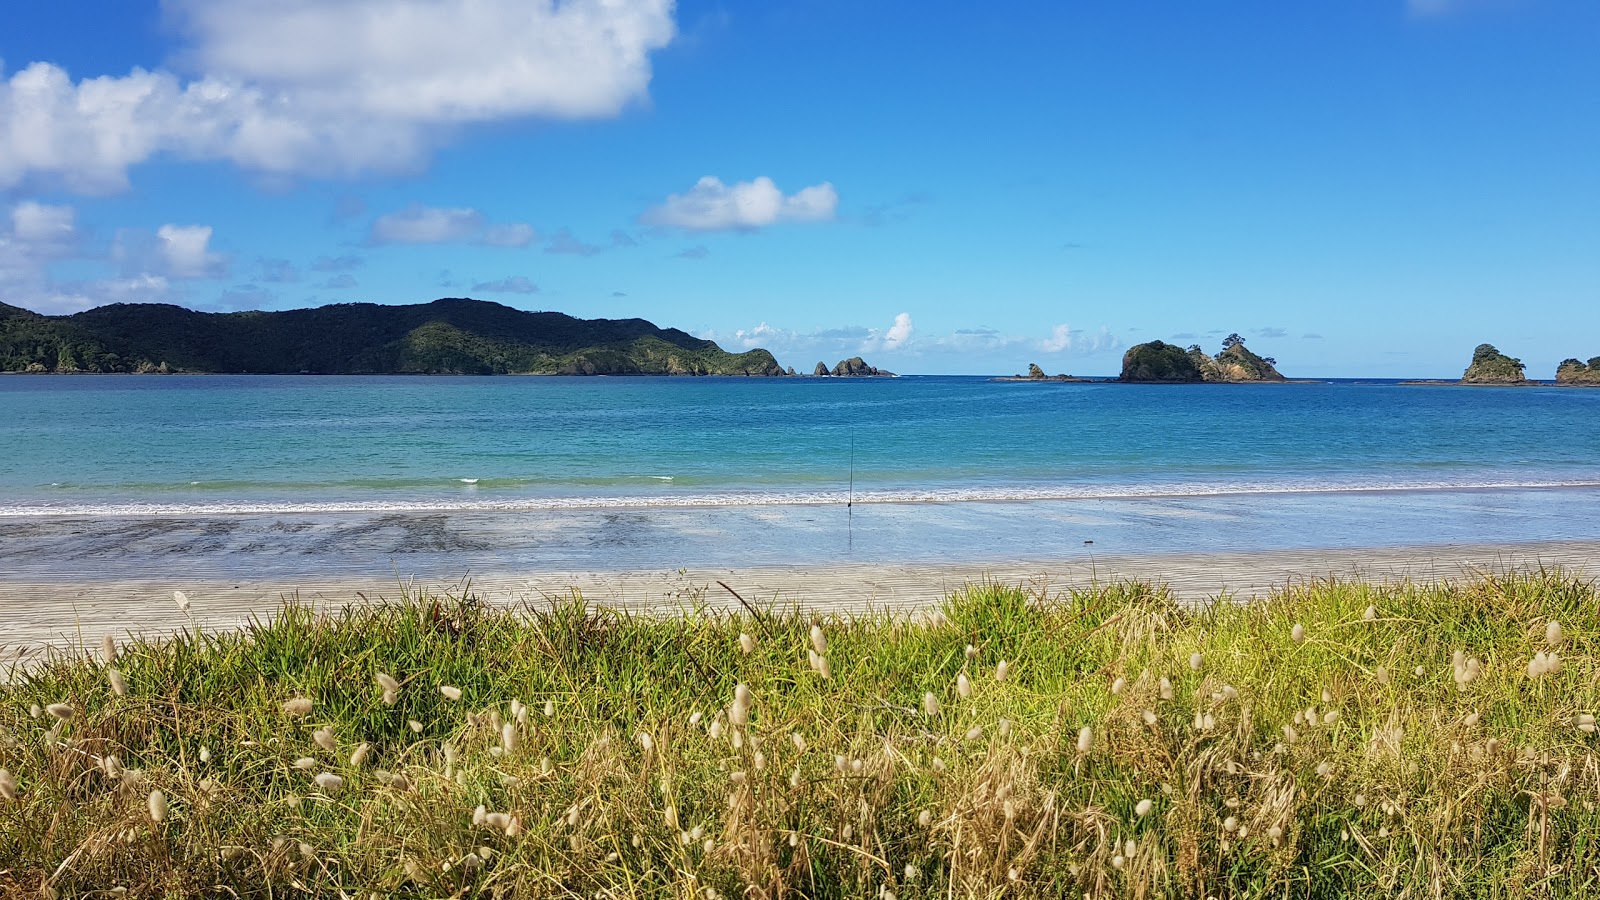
<point>45,615</point>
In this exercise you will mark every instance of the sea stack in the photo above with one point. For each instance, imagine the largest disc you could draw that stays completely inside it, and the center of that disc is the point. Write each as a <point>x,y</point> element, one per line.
<point>1490,366</point>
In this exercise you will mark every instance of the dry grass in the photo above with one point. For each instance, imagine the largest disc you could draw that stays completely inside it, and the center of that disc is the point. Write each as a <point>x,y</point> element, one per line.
<point>1337,740</point>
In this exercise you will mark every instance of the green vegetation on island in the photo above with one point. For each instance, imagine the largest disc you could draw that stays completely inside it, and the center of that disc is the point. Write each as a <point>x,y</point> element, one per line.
<point>854,367</point>
<point>1338,739</point>
<point>1490,366</point>
<point>1574,371</point>
<point>1157,361</point>
<point>449,336</point>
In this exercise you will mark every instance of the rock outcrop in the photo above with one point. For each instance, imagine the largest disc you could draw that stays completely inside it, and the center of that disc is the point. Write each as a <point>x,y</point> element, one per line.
<point>1036,373</point>
<point>1574,371</point>
<point>1162,363</point>
<point>856,367</point>
<point>821,370</point>
<point>1490,366</point>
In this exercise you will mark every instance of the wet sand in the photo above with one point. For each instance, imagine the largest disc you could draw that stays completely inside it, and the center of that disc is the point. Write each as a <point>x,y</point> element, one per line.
<point>67,613</point>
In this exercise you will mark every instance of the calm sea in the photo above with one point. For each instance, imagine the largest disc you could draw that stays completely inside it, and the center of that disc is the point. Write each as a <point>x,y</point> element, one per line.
<point>313,473</point>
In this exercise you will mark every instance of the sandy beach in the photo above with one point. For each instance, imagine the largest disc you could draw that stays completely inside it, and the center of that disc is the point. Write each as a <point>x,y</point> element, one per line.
<point>66,614</point>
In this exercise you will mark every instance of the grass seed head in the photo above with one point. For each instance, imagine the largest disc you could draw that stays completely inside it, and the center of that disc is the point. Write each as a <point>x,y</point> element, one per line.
<point>1370,615</point>
<point>549,708</point>
<point>62,711</point>
<point>157,803</point>
<point>1119,685</point>
<point>509,738</point>
<point>182,601</point>
<point>747,644</point>
<point>1085,739</point>
<point>205,754</point>
<point>1298,633</point>
<point>108,650</point>
<point>329,782</point>
<point>119,685</point>
<point>387,682</point>
<point>8,786</point>
<point>930,704</point>
<point>1001,670</point>
<point>325,739</point>
<point>1166,688</point>
<point>305,763</point>
<point>819,641</point>
<point>298,706</point>
<point>450,692</point>
<point>1552,633</point>
<point>963,686</point>
<point>360,755</point>
<point>1142,808</point>
<point>1196,660</point>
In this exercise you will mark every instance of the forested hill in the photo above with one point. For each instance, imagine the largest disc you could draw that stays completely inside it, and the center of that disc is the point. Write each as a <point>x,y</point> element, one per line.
<point>450,336</point>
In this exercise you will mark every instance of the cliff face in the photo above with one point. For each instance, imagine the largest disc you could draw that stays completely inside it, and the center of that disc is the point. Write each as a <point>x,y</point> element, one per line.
<point>1490,366</point>
<point>1161,362</point>
<point>1573,371</point>
<point>450,336</point>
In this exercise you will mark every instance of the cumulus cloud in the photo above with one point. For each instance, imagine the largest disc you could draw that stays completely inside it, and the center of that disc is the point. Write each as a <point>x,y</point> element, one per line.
<point>175,252</point>
<point>899,333</point>
<point>309,86</point>
<point>186,250</point>
<point>516,284</point>
<point>1064,339</point>
<point>745,206</point>
<point>41,225</point>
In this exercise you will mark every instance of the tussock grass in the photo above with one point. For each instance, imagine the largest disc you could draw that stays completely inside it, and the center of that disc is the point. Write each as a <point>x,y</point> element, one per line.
<point>1339,739</point>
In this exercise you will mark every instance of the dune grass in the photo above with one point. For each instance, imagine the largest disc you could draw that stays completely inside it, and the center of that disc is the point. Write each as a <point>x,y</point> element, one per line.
<point>1339,739</point>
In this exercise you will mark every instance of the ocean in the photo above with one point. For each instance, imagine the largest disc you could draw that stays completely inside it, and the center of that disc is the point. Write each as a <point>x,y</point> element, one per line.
<point>300,476</point>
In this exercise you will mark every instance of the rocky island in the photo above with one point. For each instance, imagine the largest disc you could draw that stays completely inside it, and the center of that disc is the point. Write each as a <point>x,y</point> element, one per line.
<point>854,367</point>
<point>1490,366</point>
<point>454,336</point>
<point>1576,372</point>
<point>1158,362</point>
<point>1037,374</point>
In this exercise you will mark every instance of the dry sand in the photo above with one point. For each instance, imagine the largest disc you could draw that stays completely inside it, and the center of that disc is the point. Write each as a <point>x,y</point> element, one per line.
<point>76,614</point>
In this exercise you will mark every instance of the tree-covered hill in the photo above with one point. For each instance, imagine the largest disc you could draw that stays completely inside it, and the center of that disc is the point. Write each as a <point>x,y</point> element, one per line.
<point>449,336</point>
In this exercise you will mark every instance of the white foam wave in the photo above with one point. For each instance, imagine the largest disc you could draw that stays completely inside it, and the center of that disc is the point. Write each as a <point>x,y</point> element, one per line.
<point>768,498</point>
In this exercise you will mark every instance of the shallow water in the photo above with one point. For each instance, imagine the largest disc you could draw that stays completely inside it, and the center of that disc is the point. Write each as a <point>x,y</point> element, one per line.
<point>298,476</point>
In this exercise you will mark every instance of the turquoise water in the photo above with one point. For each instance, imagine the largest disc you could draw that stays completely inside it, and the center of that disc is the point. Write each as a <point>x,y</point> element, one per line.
<point>182,444</point>
<point>298,475</point>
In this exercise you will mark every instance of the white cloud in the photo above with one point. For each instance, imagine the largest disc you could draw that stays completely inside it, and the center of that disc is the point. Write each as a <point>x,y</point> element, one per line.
<point>898,333</point>
<point>186,250</point>
<point>1064,339</point>
<point>331,86</point>
<point>37,223</point>
<point>418,224</point>
<point>747,205</point>
<point>1060,339</point>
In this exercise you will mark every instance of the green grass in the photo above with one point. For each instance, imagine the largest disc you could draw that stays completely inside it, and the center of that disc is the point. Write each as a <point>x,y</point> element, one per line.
<point>1393,777</point>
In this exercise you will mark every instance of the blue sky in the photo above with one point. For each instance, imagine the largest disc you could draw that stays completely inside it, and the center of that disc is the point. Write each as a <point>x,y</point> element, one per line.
<point>1369,187</point>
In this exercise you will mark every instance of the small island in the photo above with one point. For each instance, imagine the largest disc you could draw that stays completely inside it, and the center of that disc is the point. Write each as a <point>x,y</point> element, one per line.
<point>1157,362</point>
<point>1490,366</point>
<point>1036,374</point>
<point>1576,373</point>
<point>854,367</point>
